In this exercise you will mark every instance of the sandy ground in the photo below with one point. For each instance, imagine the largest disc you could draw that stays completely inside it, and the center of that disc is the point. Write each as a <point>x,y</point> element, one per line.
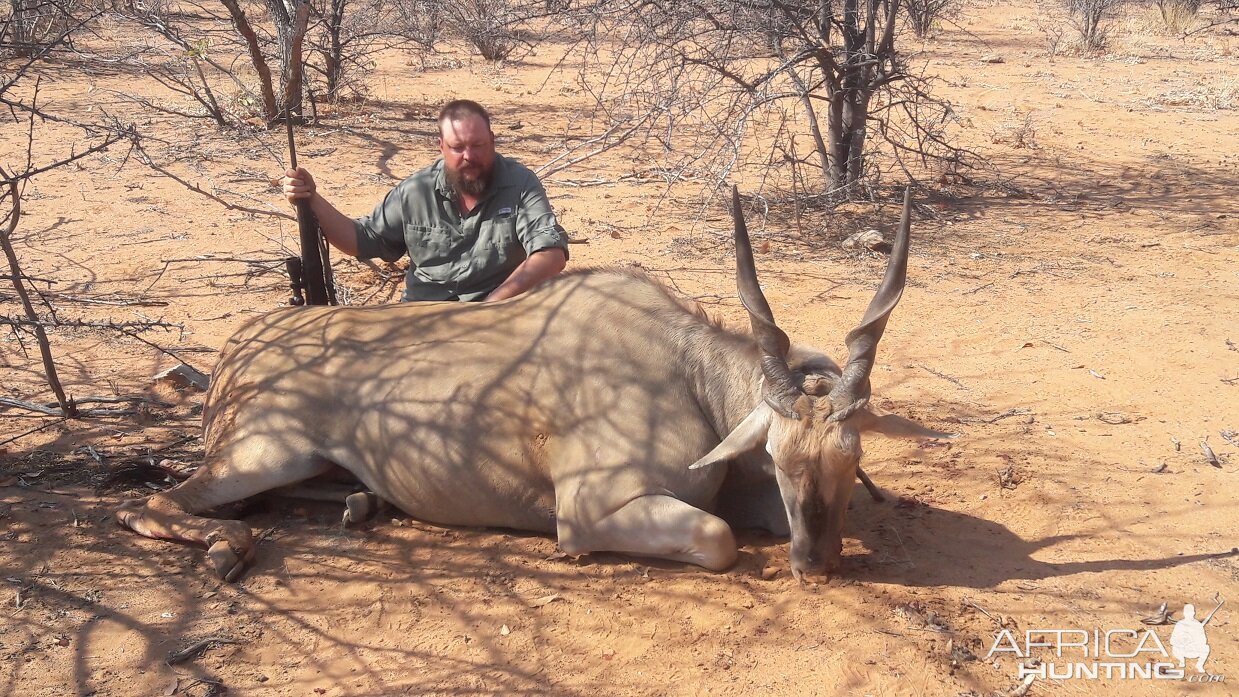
<point>1073,315</point>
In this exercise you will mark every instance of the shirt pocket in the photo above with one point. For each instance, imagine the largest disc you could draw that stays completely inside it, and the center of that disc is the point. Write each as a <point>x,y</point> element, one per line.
<point>432,245</point>
<point>503,244</point>
<point>504,229</point>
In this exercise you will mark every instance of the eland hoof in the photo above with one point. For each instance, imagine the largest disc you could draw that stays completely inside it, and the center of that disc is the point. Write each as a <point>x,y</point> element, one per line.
<point>228,565</point>
<point>359,508</point>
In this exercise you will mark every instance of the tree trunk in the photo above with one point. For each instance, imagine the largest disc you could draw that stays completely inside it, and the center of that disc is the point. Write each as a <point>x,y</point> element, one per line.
<point>819,143</point>
<point>294,66</point>
<point>851,102</point>
<point>291,17</point>
<point>335,49</point>
<point>840,144</point>
<point>270,111</point>
<point>858,124</point>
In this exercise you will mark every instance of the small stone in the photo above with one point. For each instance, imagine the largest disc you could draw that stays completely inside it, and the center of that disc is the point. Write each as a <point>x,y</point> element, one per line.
<point>869,239</point>
<point>769,572</point>
<point>182,377</point>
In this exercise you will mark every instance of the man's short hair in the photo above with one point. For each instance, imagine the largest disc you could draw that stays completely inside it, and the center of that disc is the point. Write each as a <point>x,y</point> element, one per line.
<point>461,108</point>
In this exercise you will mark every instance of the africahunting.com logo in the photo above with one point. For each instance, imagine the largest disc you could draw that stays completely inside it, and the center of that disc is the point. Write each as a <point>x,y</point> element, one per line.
<point>1110,654</point>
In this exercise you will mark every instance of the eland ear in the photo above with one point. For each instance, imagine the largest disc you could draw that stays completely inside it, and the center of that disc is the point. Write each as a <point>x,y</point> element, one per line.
<point>747,437</point>
<point>895,426</point>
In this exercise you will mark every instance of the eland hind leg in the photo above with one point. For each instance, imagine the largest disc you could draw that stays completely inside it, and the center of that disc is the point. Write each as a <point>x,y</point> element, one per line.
<point>249,467</point>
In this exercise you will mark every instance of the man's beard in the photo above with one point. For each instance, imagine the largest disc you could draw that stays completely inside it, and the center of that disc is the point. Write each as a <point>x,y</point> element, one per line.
<point>470,187</point>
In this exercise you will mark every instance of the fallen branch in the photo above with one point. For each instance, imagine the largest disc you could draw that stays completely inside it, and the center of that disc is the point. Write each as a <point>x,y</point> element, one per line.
<point>944,376</point>
<point>56,410</point>
<point>34,430</point>
<point>1018,411</point>
<point>35,279</point>
<point>100,301</point>
<point>123,327</point>
<point>196,648</point>
<point>1060,348</point>
<point>268,264</point>
<point>970,603</point>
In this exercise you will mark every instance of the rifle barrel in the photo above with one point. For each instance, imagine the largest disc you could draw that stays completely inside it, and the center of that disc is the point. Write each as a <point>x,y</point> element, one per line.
<point>307,227</point>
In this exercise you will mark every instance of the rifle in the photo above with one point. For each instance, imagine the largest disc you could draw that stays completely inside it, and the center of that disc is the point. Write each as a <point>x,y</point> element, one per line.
<point>311,272</point>
<point>1221,602</point>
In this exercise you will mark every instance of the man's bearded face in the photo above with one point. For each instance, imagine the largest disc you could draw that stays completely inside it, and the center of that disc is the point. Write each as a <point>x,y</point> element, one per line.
<point>468,148</point>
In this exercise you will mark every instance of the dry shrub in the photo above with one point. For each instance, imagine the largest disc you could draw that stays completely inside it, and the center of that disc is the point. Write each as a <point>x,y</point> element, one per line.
<point>1224,97</point>
<point>1019,133</point>
<point>1092,20</point>
<point>27,26</point>
<point>1179,14</point>
<point>924,15</point>
<point>1080,25</point>
<point>488,25</point>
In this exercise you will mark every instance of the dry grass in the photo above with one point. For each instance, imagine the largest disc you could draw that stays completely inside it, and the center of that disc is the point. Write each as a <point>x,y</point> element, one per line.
<point>1223,96</point>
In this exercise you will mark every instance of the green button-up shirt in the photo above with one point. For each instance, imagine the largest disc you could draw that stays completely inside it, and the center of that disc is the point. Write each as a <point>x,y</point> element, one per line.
<point>460,258</point>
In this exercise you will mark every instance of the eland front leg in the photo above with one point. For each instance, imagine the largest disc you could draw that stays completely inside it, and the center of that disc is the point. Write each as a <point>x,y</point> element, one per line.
<point>653,525</point>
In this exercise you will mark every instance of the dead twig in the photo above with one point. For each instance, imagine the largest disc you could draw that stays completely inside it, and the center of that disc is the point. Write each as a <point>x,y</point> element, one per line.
<point>944,376</point>
<point>196,648</point>
<point>1017,411</point>
<point>36,429</point>
<point>1230,437</point>
<point>1008,478</point>
<point>1053,345</point>
<point>969,603</point>
<point>157,347</point>
<point>899,539</point>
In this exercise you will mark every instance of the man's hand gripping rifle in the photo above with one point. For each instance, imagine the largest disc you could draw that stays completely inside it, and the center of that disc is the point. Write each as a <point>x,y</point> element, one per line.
<point>311,272</point>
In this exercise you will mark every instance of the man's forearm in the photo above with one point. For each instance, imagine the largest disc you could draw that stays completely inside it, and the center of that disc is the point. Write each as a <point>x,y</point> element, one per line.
<point>337,227</point>
<point>540,266</point>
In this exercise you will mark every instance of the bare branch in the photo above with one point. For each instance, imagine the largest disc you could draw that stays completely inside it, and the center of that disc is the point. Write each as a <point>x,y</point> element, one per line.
<point>147,160</point>
<point>67,408</point>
